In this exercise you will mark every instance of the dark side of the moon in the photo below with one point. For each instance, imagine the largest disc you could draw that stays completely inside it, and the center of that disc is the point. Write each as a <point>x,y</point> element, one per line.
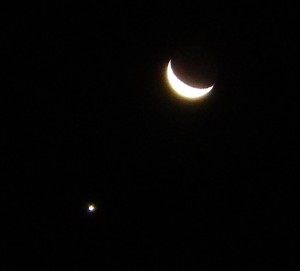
<point>196,67</point>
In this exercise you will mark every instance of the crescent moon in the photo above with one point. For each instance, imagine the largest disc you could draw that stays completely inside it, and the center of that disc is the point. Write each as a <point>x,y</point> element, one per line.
<point>182,88</point>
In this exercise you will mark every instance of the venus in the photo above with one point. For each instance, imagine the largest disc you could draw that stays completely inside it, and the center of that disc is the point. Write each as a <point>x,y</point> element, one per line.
<point>91,208</point>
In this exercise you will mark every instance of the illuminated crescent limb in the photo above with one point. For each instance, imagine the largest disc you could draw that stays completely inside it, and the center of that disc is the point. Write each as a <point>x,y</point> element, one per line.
<point>183,89</point>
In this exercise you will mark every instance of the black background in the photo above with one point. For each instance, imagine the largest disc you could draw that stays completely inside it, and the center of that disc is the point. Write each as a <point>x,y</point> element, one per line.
<point>87,116</point>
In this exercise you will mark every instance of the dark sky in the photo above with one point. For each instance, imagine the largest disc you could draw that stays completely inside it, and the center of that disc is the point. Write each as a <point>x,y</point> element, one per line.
<point>87,117</point>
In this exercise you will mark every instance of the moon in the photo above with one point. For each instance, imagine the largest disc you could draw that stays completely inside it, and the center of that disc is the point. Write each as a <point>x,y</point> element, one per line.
<point>184,89</point>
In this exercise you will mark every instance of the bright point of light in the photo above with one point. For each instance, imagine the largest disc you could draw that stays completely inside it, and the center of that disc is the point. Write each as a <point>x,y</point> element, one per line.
<point>182,88</point>
<point>92,208</point>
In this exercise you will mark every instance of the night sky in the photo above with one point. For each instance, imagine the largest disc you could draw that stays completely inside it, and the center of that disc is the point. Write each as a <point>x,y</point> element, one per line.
<point>87,117</point>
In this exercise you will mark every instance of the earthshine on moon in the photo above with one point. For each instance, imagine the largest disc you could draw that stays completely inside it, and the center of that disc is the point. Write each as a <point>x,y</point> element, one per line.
<point>184,89</point>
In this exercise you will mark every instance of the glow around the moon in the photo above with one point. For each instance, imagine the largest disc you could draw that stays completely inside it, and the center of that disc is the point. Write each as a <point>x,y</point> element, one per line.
<point>182,88</point>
